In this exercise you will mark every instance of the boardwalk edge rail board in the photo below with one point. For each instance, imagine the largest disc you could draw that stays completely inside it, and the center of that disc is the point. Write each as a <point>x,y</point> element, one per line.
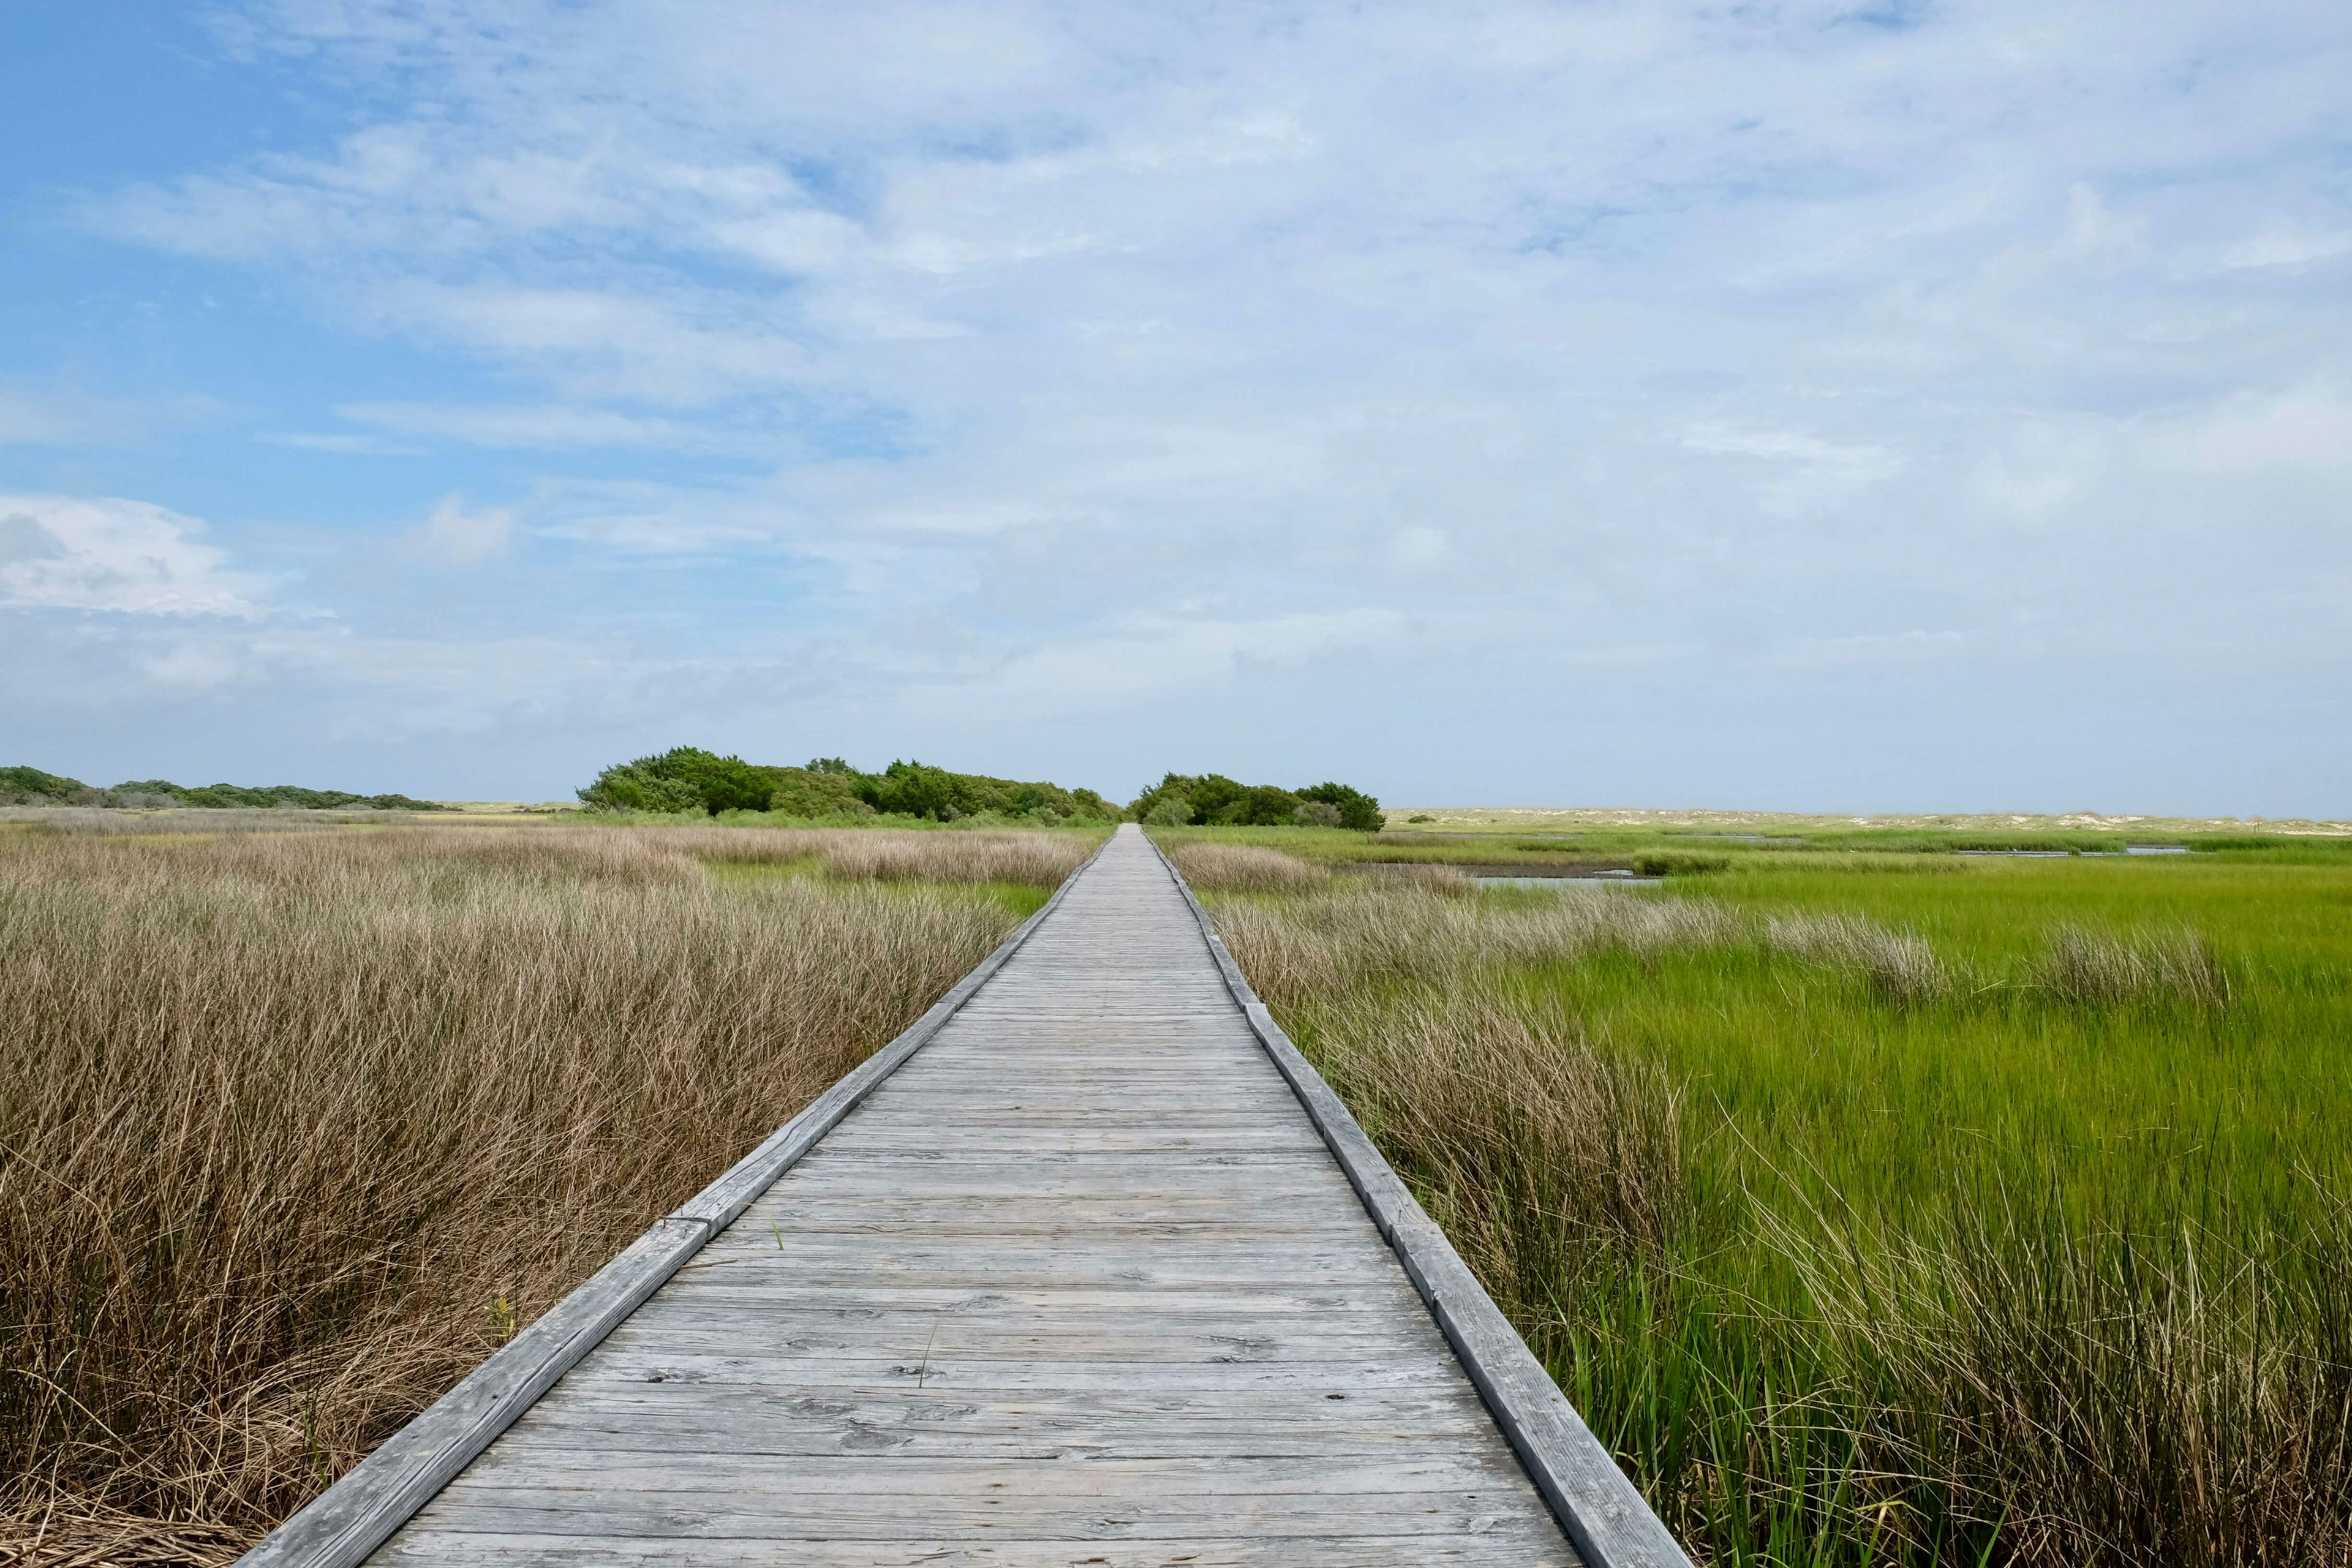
<point>342,1526</point>
<point>1604,1513</point>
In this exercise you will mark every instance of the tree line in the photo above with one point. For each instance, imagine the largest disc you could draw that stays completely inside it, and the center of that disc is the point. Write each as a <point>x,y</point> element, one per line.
<point>31,786</point>
<point>687,779</point>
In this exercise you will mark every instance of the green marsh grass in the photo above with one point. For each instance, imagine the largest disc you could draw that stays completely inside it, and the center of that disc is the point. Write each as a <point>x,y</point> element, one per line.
<point>1968,1210</point>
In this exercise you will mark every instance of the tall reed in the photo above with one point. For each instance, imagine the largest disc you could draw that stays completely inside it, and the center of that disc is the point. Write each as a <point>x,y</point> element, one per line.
<point>898,855</point>
<point>1246,869</point>
<point>2032,1369</point>
<point>2084,964</point>
<point>1900,966</point>
<point>294,1128</point>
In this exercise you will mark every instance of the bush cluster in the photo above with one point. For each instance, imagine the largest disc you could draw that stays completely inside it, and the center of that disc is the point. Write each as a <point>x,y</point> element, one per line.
<point>687,778</point>
<point>1216,800</point>
<point>31,786</point>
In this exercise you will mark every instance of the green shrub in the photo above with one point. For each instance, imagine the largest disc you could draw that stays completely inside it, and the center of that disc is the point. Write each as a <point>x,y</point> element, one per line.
<point>689,779</point>
<point>1218,801</point>
<point>1677,865</point>
<point>636,786</point>
<point>916,789</point>
<point>810,792</point>
<point>1356,810</point>
<point>31,786</point>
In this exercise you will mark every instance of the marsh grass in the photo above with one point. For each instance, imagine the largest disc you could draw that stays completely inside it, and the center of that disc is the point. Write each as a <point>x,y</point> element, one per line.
<point>1988,1216</point>
<point>1900,966</point>
<point>888,855</point>
<point>1245,869</point>
<point>1452,881</point>
<point>1368,930</point>
<point>294,1128</point>
<point>91,819</point>
<point>2086,965</point>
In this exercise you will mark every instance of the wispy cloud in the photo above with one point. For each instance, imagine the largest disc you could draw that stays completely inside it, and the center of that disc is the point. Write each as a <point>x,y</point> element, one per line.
<point>958,361</point>
<point>525,426</point>
<point>2308,427</point>
<point>2285,249</point>
<point>1804,473</point>
<point>125,557</point>
<point>459,536</point>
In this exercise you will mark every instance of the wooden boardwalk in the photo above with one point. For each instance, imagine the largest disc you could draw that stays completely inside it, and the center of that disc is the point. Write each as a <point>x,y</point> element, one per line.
<point>1079,1282</point>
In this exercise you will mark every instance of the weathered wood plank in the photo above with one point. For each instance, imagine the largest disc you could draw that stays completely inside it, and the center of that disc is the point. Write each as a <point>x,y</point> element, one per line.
<point>1523,1546</point>
<point>593,1510</point>
<point>1081,1281</point>
<point>1611,1523</point>
<point>856,1475</point>
<point>947,1371</point>
<point>341,1527</point>
<point>1066,1299</point>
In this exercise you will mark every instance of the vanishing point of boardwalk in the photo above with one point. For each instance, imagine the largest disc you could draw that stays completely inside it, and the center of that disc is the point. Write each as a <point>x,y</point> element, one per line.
<point>1079,1282</point>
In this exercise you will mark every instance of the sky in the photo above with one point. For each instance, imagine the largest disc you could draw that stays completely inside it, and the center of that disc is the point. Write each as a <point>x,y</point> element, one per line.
<point>1908,407</point>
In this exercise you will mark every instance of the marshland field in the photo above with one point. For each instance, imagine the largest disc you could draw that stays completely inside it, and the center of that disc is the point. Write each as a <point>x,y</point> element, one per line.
<point>1878,1193</point>
<point>1882,1193</point>
<point>297,1126</point>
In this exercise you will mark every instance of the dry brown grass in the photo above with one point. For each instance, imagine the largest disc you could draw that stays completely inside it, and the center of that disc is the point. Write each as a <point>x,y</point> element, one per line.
<point>2095,967</point>
<point>88,819</point>
<point>1505,1116</point>
<point>1245,869</point>
<point>888,855</point>
<point>282,1117</point>
<point>1451,880</point>
<point>1899,965</point>
<point>1367,929</point>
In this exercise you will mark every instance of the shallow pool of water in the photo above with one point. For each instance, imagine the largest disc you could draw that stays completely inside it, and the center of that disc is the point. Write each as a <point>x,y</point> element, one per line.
<point>1601,880</point>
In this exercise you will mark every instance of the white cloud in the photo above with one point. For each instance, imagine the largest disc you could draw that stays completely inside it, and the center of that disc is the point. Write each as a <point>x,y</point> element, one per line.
<point>2308,428</point>
<point>1417,548</point>
<point>541,426</point>
<point>31,421</point>
<point>61,553</point>
<point>1155,653</point>
<point>1805,473</point>
<point>340,442</point>
<point>1876,648</point>
<point>2042,467</point>
<point>2285,249</point>
<point>951,352</point>
<point>456,535</point>
<point>192,666</point>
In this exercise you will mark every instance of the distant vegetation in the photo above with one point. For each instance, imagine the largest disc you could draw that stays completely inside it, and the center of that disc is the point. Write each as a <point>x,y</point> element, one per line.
<point>1214,800</point>
<point>31,786</point>
<point>688,779</point>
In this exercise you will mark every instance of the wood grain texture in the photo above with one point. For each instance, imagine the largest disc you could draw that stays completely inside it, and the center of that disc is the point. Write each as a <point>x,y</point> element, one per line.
<point>1080,1280</point>
<point>343,1525</point>
<point>1612,1524</point>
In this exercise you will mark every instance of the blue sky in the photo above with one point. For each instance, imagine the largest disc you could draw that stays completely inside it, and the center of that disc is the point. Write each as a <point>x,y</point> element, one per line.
<point>1909,406</point>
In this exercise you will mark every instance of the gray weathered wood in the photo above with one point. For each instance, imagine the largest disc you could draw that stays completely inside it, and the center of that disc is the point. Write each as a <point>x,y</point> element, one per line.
<point>341,1527</point>
<point>1611,1523</point>
<point>1080,1281</point>
<point>1520,1544</point>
